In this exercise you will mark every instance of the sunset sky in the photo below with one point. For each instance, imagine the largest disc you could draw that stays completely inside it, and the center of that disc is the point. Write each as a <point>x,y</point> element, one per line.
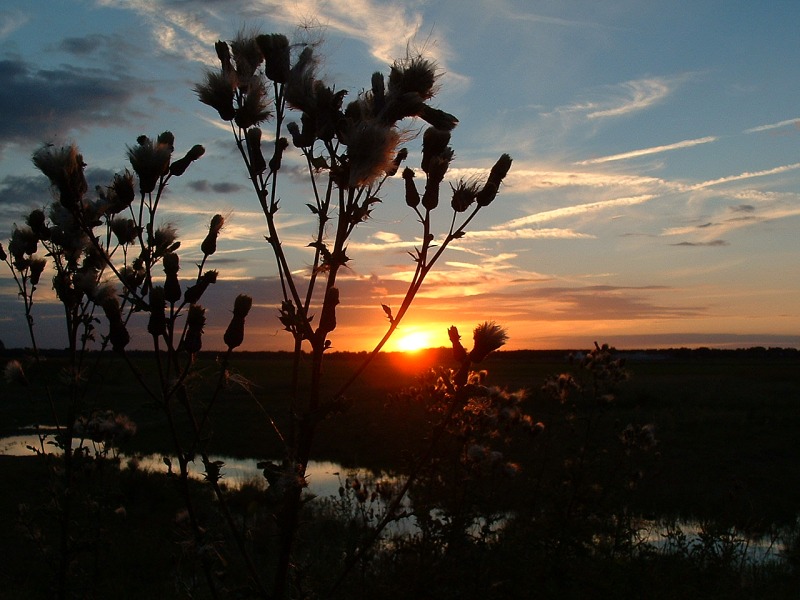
<point>654,198</point>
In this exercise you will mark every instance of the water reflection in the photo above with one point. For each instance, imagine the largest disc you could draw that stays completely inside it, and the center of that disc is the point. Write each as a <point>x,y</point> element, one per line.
<point>326,478</point>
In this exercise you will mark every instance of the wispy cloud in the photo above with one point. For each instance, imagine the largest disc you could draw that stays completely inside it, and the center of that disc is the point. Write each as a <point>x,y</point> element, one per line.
<point>10,21</point>
<point>745,175</point>
<point>622,99</point>
<point>779,125</point>
<point>648,151</point>
<point>712,243</point>
<point>572,211</point>
<point>386,29</point>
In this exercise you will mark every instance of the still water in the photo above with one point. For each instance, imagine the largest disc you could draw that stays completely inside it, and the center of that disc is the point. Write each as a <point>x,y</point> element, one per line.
<point>325,479</point>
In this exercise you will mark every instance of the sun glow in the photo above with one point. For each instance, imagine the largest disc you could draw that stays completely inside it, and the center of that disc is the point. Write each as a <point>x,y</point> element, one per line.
<point>413,341</point>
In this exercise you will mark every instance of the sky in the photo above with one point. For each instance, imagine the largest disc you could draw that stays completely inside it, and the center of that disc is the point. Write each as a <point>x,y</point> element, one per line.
<point>653,200</point>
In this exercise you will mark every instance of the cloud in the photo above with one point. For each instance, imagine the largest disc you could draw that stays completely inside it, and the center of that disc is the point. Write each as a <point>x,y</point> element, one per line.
<point>10,21</point>
<point>386,28</point>
<point>221,187</point>
<point>648,151</point>
<point>623,99</point>
<point>573,211</point>
<point>788,122</point>
<point>745,175</point>
<point>38,104</point>
<point>713,243</point>
<point>83,46</point>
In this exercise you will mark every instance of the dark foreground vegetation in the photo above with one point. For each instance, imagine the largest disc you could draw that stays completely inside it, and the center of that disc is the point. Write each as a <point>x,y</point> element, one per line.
<point>661,491</point>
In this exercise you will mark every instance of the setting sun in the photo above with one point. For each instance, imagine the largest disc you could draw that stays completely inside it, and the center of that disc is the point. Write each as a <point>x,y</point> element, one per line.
<point>414,341</point>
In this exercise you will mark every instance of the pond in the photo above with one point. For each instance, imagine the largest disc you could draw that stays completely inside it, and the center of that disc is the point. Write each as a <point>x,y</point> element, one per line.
<point>326,478</point>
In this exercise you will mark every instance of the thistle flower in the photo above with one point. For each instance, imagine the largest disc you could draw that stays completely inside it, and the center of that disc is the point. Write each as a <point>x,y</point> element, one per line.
<point>437,118</point>
<point>164,239</point>
<point>434,143</point>
<point>300,88</point>
<point>488,337</point>
<point>132,276</point>
<point>195,322</point>
<point>401,155</point>
<point>172,289</point>
<point>247,55</point>
<point>412,195</point>
<point>37,222</point>
<point>496,176</point>
<point>64,168</point>
<point>104,426</point>
<point>253,140</point>
<point>36,266</point>
<point>254,109</point>
<point>209,245</point>
<point>195,292</point>
<point>378,92</point>
<point>234,334</point>
<point>125,230</point>
<point>371,150</point>
<point>224,55</point>
<point>14,373</point>
<point>305,137</point>
<point>463,195</point>
<point>275,162</point>
<point>118,335</point>
<point>150,161</point>
<point>217,92</point>
<point>275,50</point>
<point>120,193</point>
<point>414,74</point>
<point>23,241</point>
<point>84,282</point>
<point>178,167</point>
<point>459,352</point>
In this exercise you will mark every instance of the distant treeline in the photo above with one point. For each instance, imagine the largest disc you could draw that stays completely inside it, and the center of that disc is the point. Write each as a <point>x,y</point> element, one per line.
<point>444,355</point>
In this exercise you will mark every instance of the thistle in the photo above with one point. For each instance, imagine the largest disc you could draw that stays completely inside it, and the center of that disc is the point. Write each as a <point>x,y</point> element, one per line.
<point>157,324</point>
<point>118,335</point>
<point>64,168</point>
<point>234,334</point>
<point>488,337</point>
<point>496,176</point>
<point>275,50</point>
<point>195,322</point>
<point>209,245</point>
<point>178,167</point>
<point>217,92</point>
<point>371,151</point>
<point>193,294</point>
<point>150,161</point>
<point>172,289</point>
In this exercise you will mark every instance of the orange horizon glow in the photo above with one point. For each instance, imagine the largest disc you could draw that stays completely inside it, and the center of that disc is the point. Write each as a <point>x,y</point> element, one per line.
<point>413,341</point>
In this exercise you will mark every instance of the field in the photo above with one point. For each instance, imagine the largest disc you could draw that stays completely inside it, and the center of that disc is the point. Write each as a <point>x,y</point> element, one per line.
<point>725,427</point>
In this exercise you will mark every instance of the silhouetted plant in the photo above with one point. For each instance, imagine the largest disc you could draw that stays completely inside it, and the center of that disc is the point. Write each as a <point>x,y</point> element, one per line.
<point>350,151</point>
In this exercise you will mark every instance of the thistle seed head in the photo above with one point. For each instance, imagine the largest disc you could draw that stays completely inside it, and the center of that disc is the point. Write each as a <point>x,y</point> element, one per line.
<point>217,91</point>
<point>488,337</point>
<point>275,50</point>
<point>371,150</point>
<point>64,168</point>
